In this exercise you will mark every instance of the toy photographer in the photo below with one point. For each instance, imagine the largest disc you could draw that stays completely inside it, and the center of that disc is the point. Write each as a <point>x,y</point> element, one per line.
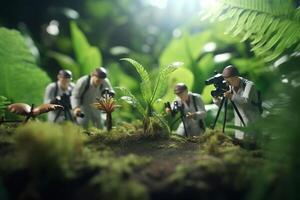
<point>192,111</point>
<point>59,92</point>
<point>85,92</point>
<point>245,97</point>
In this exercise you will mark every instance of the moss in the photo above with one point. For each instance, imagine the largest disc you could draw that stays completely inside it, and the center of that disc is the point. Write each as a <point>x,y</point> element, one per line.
<point>49,148</point>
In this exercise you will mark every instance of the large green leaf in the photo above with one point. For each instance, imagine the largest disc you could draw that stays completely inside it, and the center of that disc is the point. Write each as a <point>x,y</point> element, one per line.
<point>21,80</point>
<point>183,75</point>
<point>87,56</point>
<point>120,78</point>
<point>66,62</point>
<point>184,49</point>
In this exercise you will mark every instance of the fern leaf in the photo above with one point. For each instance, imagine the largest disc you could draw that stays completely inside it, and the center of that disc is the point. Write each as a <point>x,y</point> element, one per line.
<point>241,22</point>
<point>146,88</point>
<point>160,86</point>
<point>266,22</point>
<point>274,40</point>
<point>163,121</point>
<point>234,22</point>
<point>134,101</point>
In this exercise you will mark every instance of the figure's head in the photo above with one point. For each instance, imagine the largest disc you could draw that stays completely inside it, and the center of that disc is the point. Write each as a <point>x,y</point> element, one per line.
<point>98,76</point>
<point>231,75</point>
<point>64,77</point>
<point>181,90</point>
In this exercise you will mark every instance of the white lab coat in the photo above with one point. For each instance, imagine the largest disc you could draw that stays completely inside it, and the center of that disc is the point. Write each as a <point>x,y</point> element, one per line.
<point>244,100</point>
<point>91,113</point>
<point>192,125</point>
<point>50,95</point>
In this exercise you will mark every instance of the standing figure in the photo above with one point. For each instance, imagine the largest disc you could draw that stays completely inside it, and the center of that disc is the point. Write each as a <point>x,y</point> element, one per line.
<point>192,111</point>
<point>86,91</point>
<point>245,96</point>
<point>59,92</point>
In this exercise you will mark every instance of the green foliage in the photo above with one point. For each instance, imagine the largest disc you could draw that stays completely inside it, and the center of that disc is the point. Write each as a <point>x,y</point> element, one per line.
<point>150,93</point>
<point>272,26</point>
<point>182,75</point>
<point>146,85</point>
<point>87,56</point>
<point>49,148</point>
<point>4,102</point>
<point>66,62</point>
<point>120,78</point>
<point>20,79</point>
<point>200,63</point>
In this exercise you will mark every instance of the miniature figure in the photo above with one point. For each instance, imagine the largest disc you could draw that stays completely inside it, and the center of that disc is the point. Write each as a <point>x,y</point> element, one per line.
<point>192,111</point>
<point>85,93</point>
<point>244,97</point>
<point>59,93</point>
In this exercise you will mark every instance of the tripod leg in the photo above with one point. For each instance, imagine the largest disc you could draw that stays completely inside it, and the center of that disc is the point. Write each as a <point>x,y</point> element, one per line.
<point>57,115</point>
<point>184,126</point>
<point>225,115</point>
<point>68,115</point>
<point>218,114</point>
<point>238,112</point>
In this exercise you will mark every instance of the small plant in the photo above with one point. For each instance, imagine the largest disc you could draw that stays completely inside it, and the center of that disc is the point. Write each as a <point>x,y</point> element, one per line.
<point>107,104</point>
<point>149,94</point>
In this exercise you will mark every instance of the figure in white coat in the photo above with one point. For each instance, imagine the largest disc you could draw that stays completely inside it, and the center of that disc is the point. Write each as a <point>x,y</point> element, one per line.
<point>192,111</point>
<point>245,96</point>
<point>85,92</point>
<point>59,92</point>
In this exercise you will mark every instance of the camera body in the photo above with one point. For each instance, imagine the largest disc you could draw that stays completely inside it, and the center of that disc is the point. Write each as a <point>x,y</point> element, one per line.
<point>177,107</point>
<point>220,84</point>
<point>63,100</point>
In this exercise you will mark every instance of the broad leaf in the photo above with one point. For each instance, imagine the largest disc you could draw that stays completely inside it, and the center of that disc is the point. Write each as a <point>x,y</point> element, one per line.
<point>87,56</point>
<point>66,62</point>
<point>21,80</point>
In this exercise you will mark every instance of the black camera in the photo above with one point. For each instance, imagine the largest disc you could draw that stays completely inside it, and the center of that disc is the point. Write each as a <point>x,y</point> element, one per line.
<point>80,114</point>
<point>63,100</point>
<point>219,83</point>
<point>176,107</point>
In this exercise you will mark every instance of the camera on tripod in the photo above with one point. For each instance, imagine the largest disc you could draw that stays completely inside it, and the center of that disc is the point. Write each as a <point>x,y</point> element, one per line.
<point>64,100</point>
<point>176,108</point>
<point>219,83</point>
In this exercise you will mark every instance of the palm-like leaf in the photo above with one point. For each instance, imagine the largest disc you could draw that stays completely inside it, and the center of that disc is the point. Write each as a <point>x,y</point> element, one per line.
<point>146,87</point>
<point>273,26</point>
<point>161,82</point>
<point>131,99</point>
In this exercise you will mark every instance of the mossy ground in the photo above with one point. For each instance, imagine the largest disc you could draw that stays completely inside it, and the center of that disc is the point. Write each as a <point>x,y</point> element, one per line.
<point>122,164</point>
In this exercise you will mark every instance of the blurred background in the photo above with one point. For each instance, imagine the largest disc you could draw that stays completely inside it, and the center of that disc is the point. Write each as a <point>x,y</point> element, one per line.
<point>153,32</point>
<point>82,34</point>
